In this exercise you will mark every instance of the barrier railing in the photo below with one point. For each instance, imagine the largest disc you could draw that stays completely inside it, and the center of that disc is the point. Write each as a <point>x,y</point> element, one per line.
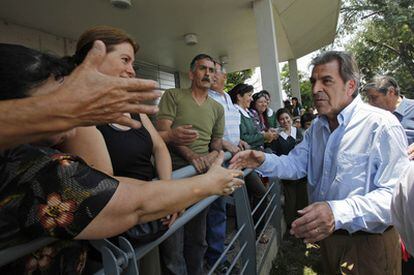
<point>124,258</point>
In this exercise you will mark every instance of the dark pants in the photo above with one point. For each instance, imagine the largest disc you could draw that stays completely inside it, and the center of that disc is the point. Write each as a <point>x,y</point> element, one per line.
<point>256,190</point>
<point>372,254</point>
<point>183,252</point>
<point>216,230</point>
<point>296,198</point>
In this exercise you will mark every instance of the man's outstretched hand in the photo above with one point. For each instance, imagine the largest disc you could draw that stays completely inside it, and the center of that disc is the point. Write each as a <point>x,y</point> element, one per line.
<point>247,159</point>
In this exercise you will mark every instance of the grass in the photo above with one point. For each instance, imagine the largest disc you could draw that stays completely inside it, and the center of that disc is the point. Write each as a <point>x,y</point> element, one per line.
<point>296,258</point>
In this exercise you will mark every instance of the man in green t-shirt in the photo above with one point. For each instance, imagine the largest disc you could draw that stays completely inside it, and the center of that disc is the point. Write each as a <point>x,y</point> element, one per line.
<point>193,110</point>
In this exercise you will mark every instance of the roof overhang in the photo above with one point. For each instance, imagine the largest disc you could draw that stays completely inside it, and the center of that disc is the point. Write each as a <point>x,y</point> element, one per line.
<point>222,27</point>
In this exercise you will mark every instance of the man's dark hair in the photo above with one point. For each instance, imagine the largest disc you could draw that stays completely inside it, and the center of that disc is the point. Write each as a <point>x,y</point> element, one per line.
<point>348,69</point>
<point>22,69</point>
<point>383,82</point>
<point>199,57</point>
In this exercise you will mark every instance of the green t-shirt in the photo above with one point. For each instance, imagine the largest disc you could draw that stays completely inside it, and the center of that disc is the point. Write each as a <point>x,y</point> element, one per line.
<point>179,106</point>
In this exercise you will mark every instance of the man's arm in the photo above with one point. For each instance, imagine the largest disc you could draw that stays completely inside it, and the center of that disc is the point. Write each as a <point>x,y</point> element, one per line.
<point>228,146</point>
<point>87,97</point>
<point>368,212</point>
<point>293,166</point>
<point>402,208</point>
<point>372,211</point>
<point>216,144</point>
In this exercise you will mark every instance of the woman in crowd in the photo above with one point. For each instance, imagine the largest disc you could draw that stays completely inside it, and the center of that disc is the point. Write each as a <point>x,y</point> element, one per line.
<point>241,96</point>
<point>250,130</point>
<point>131,150</point>
<point>295,191</point>
<point>258,107</point>
<point>271,115</point>
<point>296,107</point>
<point>49,193</point>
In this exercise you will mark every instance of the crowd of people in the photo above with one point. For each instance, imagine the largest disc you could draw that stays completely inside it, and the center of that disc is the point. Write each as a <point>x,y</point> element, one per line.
<point>79,152</point>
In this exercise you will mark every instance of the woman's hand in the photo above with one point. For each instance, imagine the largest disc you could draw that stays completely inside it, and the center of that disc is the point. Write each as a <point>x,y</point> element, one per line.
<point>269,136</point>
<point>223,181</point>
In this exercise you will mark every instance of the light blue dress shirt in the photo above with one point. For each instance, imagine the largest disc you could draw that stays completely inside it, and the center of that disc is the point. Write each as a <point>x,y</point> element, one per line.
<point>405,114</point>
<point>354,168</point>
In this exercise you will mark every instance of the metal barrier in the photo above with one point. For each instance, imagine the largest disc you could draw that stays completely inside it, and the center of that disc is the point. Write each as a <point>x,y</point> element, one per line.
<point>124,258</point>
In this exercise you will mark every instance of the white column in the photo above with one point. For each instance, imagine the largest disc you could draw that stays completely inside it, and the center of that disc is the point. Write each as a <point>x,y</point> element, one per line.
<point>266,40</point>
<point>294,79</point>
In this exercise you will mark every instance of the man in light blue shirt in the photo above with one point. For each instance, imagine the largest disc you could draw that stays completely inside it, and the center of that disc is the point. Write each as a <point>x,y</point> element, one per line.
<point>353,155</point>
<point>384,93</point>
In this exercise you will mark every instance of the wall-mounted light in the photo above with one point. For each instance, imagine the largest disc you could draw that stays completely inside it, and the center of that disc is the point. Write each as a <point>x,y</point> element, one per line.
<point>190,39</point>
<point>224,59</point>
<point>121,4</point>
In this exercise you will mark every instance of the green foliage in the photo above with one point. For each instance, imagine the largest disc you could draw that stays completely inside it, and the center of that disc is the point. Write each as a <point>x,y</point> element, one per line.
<point>380,34</point>
<point>304,84</point>
<point>237,77</point>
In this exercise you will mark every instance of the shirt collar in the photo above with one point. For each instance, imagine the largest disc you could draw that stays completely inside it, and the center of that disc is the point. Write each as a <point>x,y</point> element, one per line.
<point>244,112</point>
<point>269,112</point>
<point>401,108</point>
<point>293,132</point>
<point>344,117</point>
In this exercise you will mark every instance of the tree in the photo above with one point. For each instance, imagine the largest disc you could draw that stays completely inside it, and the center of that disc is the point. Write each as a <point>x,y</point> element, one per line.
<point>237,77</point>
<point>384,39</point>
<point>304,84</point>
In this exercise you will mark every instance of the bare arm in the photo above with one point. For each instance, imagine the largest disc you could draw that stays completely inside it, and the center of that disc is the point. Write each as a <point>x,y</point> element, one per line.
<point>216,144</point>
<point>228,146</point>
<point>87,97</point>
<point>159,150</point>
<point>137,202</point>
<point>89,144</point>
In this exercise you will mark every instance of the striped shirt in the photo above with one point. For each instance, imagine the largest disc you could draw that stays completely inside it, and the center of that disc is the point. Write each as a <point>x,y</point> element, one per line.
<point>231,117</point>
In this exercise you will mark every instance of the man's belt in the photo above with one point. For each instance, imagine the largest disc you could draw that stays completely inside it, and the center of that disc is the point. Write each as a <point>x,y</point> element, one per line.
<point>358,233</point>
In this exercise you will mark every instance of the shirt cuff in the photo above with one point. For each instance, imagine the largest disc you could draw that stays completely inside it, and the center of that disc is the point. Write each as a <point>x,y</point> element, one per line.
<point>341,212</point>
<point>267,166</point>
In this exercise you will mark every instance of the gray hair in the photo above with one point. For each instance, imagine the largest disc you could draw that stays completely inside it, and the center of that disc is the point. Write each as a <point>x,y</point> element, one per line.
<point>348,69</point>
<point>383,82</point>
<point>199,57</point>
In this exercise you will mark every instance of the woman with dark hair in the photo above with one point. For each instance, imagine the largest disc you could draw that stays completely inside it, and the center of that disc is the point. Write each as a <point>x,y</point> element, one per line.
<point>271,115</point>
<point>258,108</point>
<point>296,197</point>
<point>131,150</point>
<point>46,193</point>
<point>296,107</point>
<point>250,129</point>
<point>241,96</point>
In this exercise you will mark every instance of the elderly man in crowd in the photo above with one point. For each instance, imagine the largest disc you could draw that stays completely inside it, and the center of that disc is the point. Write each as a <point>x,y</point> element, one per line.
<point>183,253</point>
<point>353,155</point>
<point>384,93</point>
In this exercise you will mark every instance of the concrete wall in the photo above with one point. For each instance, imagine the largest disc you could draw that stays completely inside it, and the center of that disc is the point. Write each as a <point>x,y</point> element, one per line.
<point>184,80</point>
<point>45,42</point>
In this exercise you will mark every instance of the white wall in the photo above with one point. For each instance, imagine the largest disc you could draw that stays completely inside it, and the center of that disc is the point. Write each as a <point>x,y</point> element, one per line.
<point>16,34</point>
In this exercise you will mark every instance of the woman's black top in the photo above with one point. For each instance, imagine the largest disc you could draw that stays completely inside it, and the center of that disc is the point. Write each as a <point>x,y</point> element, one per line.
<point>282,146</point>
<point>130,151</point>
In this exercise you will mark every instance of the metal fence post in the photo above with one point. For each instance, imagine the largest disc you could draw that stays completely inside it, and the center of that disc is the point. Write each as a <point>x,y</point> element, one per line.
<point>277,219</point>
<point>248,235</point>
